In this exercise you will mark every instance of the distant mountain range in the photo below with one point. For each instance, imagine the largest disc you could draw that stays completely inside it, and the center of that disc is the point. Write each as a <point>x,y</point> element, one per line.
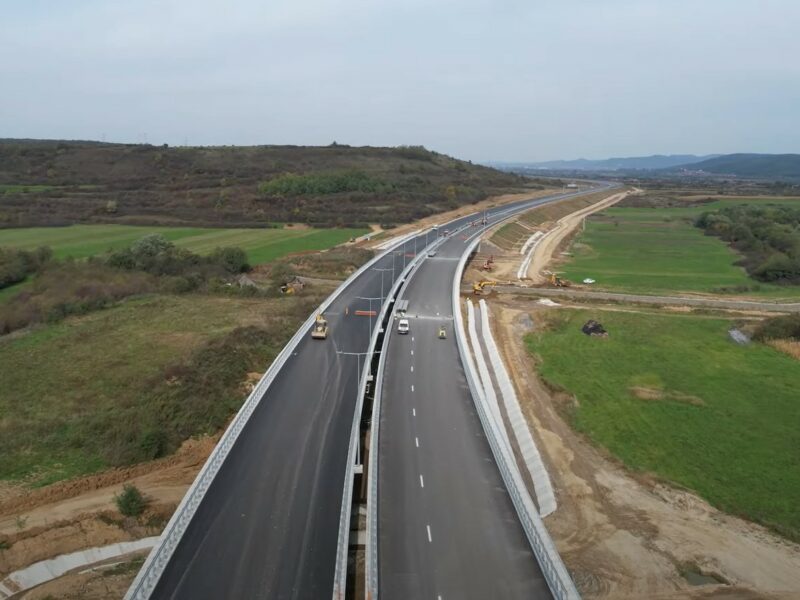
<point>656,161</point>
<point>772,166</point>
<point>762,166</point>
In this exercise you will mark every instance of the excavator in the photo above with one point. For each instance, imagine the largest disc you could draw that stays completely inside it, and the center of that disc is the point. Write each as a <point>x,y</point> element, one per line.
<point>320,329</point>
<point>488,264</point>
<point>478,287</point>
<point>557,281</point>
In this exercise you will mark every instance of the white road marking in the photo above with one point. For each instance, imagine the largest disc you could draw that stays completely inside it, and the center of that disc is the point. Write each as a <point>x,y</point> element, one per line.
<point>430,539</point>
<point>421,482</point>
<point>412,353</point>
<point>412,368</point>
<point>414,411</point>
<point>416,441</point>
<point>412,387</point>
<point>412,338</point>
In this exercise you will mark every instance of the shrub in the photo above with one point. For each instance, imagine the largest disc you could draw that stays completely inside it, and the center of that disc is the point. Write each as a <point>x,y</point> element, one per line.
<point>130,502</point>
<point>16,265</point>
<point>778,328</point>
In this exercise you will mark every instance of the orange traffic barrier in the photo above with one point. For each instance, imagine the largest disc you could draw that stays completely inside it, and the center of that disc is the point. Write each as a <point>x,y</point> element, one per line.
<point>367,313</point>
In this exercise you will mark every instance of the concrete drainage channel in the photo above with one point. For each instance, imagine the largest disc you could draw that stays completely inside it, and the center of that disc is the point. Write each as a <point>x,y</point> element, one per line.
<point>47,570</point>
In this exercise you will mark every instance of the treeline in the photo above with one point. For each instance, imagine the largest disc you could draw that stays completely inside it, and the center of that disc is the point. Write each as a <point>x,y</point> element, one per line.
<point>291,184</point>
<point>151,264</point>
<point>17,265</point>
<point>768,236</point>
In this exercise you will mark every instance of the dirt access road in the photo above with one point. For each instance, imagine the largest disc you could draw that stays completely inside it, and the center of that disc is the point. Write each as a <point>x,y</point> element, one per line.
<point>626,537</point>
<point>691,301</point>
<point>547,246</point>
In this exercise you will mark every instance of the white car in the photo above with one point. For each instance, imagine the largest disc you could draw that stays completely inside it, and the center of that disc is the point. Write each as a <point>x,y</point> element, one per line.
<point>432,253</point>
<point>402,326</point>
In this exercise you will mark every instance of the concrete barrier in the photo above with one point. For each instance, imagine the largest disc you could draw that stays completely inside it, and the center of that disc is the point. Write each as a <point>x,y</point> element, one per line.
<point>542,486</point>
<point>553,568</point>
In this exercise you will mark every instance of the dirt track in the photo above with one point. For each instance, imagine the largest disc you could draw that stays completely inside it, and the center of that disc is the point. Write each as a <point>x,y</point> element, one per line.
<point>628,538</point>
<point>690,301</point>
<point>547,246</point>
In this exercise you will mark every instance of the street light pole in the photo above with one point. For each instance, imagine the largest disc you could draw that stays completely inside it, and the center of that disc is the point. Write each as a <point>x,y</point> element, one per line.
<point>358,356</point>
<point>370,312</point>
<point>383,294</point>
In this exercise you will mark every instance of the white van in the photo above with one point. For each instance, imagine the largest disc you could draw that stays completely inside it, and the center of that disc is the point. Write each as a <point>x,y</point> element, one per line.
<point>402,326</point>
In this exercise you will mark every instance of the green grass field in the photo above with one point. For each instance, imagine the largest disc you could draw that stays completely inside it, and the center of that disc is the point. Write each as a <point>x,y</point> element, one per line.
<point>728,422</point>
<point>261,245</point>
<point>658,250</point>
<point>65,384</point>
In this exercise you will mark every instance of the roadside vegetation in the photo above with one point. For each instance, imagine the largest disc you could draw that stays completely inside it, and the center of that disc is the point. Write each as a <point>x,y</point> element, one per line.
<point>673,396</point>
<point>119,358</point>
<point>131,382</point>
<point>653,246</point>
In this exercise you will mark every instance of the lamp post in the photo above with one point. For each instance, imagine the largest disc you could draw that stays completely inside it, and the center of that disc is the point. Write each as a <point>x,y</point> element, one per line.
<point>383,295</point>
<point>370,312</point>
<point>358,356</point>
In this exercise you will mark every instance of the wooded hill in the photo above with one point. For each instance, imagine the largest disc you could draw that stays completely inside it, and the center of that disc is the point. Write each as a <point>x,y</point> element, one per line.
<point>63,182</point>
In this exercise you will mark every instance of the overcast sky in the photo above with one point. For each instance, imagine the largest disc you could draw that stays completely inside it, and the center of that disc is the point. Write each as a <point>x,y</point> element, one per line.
<point>478,79</point>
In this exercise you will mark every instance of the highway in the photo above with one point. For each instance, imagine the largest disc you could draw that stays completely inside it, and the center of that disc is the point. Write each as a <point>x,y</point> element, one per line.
<point>267,526</point>
<point>447,527</point>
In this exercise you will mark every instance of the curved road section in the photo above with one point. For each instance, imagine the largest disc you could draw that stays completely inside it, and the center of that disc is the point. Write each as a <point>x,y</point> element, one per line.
<point>447,526</point>
<point>267,526</point>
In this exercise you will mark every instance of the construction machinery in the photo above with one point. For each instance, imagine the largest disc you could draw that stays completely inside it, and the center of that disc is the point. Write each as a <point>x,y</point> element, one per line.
<point>557,281</point>
<point>320,329</point>
<point>488,264</point>
<point>479,287</point>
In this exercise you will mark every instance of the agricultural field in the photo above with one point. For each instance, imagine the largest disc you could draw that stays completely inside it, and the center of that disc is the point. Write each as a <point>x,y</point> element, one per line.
<point>130,382</point>
<point>673,396</point>
<point>659,250</point>
<point>261,245</point>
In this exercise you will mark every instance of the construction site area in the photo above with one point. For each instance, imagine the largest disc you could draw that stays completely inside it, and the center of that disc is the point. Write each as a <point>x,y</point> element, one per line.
<point>635,430</point>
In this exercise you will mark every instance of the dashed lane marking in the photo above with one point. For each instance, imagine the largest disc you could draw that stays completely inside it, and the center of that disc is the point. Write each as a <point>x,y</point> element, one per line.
<point>430,539</point>
<point>414,411</point>
<point>421,482</point>
<point>416,441</point>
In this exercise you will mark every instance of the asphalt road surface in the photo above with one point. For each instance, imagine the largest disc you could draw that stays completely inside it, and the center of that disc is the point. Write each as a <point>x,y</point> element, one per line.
<point>268,525</point>
<point>447,527</point>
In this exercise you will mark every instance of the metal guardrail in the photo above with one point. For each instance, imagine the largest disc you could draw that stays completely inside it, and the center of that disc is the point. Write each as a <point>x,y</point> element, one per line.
<point>553,568</point>
<point>150,573</point>
<point>340,578</point>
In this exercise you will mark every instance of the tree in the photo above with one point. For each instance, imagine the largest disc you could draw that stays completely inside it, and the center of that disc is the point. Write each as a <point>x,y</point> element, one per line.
<point>130,502</point>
